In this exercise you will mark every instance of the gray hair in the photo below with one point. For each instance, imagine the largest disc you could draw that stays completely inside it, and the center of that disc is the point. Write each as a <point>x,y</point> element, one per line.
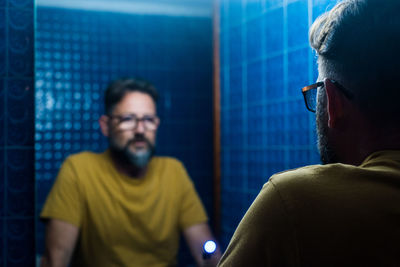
<point>358,43</point>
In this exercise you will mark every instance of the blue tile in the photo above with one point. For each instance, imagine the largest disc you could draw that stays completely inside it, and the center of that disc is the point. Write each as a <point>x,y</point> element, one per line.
<point>315,69</point>
<point>297,23</point>
<point>39,238</point>
<point>200,31</point>
<point>20,112</point>
<point>254,125</point>
<point>276,161</point>
<point>255,88</point>
<point>27,4</point>
<point>2,238</point>
<point>43,188</point>
<point>202,59</point>
<point>2,27</point>
<point>235,45</point>
<point>157,27</point>
<point>254,7</point>
<point>226,237</point>
<point>236,88</point>
<point>21,65</point>
<point>20,243</point>
<point>298,158</point>
<point>224,89</point>
<point>273,21</point>
<point>2,117</point>
<point>248,200</point>
<point>3,65</point>
<point>315,156</point>
<point>224,46</point>
<point>270,4</point>
<point>275,123</point>
<point>236,123</point>
<point>254,37</point>
<point>3,42</point>
<point>274,77</point>
<point>321,6</point>
<point>20,189</point>
<point>174,29</point>
<point>20,19</point>
<point>223,15</point>
<point>297,71</point>
<point>235,12</point>
<point>2,183</point>
<point>298,126</point>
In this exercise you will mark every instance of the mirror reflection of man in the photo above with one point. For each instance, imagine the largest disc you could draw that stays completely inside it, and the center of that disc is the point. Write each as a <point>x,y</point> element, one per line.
<point>124,207</point>
<point>345,212</point>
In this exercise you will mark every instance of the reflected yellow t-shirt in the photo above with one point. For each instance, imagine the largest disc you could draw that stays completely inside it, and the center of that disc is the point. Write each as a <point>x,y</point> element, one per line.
<point>124,221</point>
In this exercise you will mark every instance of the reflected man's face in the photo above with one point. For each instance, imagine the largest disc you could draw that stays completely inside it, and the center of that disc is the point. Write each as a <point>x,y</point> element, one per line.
<point>136,144</point>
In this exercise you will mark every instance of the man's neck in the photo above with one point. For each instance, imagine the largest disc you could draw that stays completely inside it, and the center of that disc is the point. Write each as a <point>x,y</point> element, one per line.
<point>371,141</point>
<point>390,141</point>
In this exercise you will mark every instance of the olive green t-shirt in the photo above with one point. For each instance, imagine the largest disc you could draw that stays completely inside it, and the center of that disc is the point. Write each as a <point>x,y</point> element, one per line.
<point>324,215</point>
<point>124,221</point>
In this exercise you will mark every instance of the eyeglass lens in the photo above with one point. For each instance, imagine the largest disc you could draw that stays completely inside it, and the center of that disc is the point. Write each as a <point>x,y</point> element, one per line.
<point>131,122</point>
<point>311,99</point>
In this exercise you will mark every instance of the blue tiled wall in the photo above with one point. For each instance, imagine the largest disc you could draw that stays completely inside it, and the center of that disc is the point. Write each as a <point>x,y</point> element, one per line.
<point>16,134</point>
<point>265,128</point>
<point>79,52</point>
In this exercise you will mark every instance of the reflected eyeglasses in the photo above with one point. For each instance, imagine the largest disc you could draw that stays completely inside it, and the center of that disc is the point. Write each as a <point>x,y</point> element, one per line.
<point>131,122</point>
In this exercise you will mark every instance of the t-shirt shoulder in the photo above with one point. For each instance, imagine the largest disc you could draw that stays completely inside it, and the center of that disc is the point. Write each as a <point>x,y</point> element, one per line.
<point>168,160</point>
<point>85,155</point>
<point>169,163</point>
<point>310,174</point>
<point>85,159</point>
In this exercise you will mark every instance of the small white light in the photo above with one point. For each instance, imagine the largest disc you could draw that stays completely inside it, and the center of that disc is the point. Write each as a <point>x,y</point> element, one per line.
<point>210,246</point>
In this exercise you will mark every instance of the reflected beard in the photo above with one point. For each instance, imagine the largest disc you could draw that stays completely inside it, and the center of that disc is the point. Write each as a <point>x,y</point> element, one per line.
<point>326,151</point>
<point>138,159</point>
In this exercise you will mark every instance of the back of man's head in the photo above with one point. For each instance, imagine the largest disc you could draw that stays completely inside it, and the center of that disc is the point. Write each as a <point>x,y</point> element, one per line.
<point>358,44</point>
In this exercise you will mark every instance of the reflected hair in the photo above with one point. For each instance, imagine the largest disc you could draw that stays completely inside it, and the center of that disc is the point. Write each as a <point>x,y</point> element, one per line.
<point>357,43</point>
<point>117,89</point>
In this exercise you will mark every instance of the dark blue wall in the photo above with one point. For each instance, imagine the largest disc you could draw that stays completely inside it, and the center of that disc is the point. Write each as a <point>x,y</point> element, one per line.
<point>16,133</point>
<point>265,127</point>
<point>79,52</point>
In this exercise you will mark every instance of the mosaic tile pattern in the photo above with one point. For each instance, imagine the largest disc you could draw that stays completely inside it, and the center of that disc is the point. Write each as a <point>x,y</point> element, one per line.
<point>16,134</point>
<point>265,128</point>
<point>79,52</point>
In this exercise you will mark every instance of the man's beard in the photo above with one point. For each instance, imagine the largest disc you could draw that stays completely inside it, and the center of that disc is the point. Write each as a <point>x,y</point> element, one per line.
<point>139,158</point>
<point>326,151</point>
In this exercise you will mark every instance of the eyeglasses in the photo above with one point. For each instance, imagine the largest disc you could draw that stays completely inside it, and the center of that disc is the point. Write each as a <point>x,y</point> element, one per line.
<point>310,94</point>
<point>131,122</point>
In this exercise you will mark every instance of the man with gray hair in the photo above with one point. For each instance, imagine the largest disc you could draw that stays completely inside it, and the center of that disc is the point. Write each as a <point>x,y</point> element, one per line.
<point>346,211</point>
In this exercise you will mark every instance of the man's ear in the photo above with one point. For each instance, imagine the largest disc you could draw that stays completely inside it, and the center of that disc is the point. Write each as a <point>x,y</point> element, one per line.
<point>335,104</point>
<point>103,121</point>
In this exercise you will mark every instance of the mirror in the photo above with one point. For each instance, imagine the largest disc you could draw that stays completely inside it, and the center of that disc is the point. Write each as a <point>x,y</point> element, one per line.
<point>81,45</point>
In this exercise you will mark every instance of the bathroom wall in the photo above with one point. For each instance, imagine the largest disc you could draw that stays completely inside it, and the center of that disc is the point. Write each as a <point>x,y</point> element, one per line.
<point>265,128</point>
<point>16,133</point>
<point>79,51</point>
<point>265,60</point>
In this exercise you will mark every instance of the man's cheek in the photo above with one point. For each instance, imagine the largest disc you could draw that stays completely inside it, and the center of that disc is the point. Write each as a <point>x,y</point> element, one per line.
<point>151,139</point>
